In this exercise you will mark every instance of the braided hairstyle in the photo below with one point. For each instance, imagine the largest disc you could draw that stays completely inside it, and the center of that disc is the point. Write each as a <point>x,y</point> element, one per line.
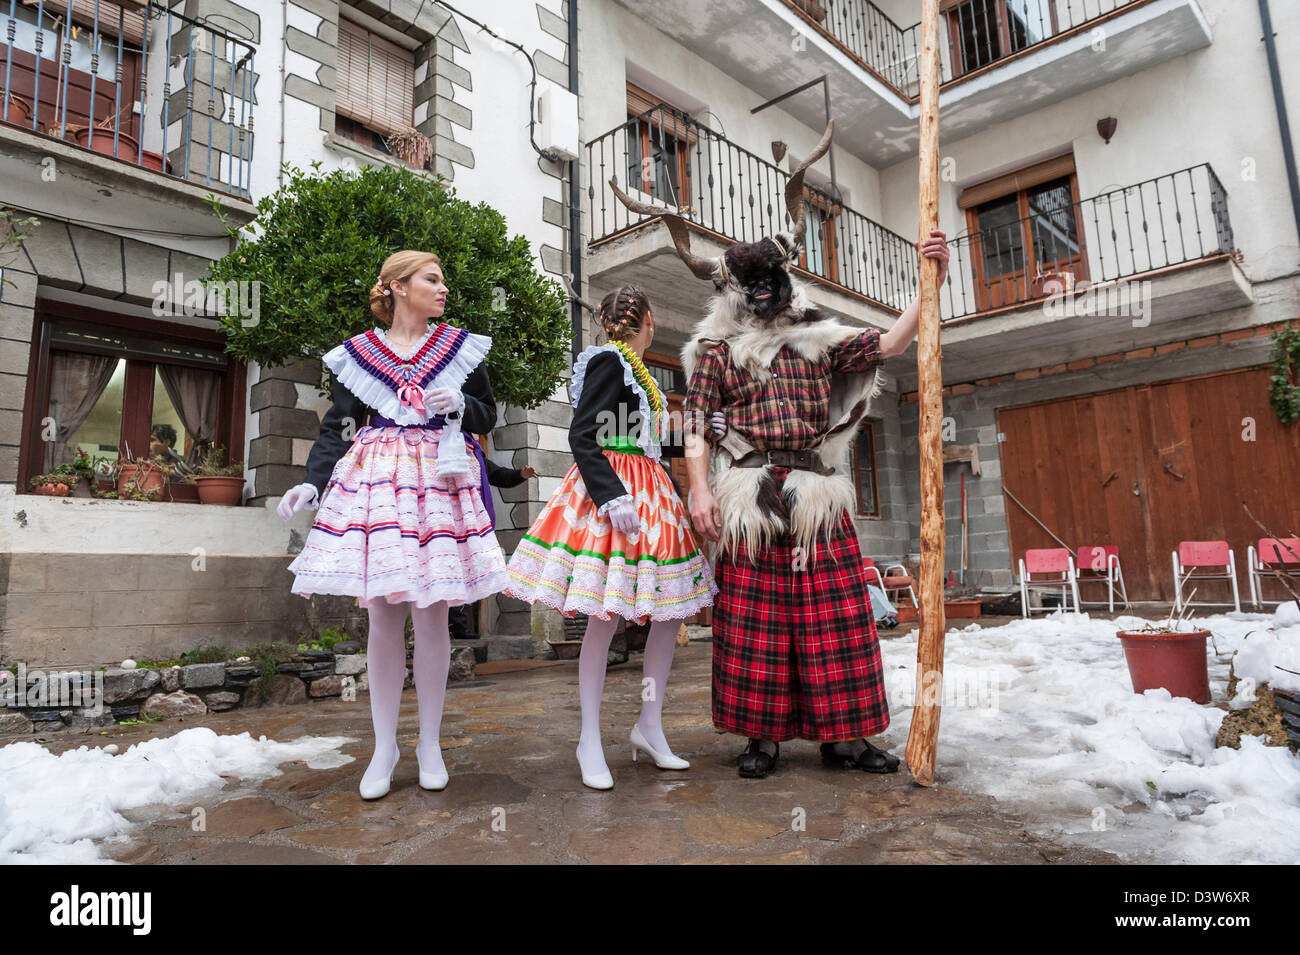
<point>622,312</point>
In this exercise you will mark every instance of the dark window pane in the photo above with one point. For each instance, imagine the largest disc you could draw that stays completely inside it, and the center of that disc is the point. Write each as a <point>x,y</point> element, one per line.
<point>1052,222</point>
<point>1001,237</point>
<point>865,468</point>
<point>1028,22</point>
<point>976,26</point>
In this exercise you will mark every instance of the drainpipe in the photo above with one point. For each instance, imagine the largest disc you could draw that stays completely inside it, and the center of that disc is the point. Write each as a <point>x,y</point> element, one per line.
<point>575,194</point>
<point>1279,105</point>
<point>284,60</point>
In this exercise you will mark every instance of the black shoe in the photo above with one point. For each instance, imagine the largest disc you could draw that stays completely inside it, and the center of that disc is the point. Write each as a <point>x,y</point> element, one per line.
<point>870,760</point>
<point>754,763</point>
<point>889,623</point>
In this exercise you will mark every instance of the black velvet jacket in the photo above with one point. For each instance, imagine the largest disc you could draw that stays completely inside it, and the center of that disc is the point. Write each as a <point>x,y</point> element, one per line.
<point>479,417</point>
<point>603,390</point>
<point>501,476</point>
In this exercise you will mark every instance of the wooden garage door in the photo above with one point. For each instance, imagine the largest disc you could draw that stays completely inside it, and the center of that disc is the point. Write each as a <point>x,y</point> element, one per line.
<point>1147,466</point>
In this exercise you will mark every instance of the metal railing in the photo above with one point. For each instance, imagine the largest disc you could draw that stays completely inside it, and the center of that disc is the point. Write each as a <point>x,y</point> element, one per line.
<point>104,76</point>
<point>667,158</point>
<point>971,34</point>
<point>1173,219</point>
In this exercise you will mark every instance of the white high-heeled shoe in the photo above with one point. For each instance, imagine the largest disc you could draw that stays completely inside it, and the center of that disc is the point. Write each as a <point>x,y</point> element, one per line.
<point>379,787</point>
<point>662,760</point>
<point>600,781</point>
<point>430,780</point>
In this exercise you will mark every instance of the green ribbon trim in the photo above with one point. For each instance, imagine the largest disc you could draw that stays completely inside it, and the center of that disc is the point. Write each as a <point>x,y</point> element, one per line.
<point>617,553</point>
<point>621,443</point>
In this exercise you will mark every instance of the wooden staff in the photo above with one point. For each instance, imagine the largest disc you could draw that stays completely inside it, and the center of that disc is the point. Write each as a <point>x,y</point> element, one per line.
<point>929,651</point>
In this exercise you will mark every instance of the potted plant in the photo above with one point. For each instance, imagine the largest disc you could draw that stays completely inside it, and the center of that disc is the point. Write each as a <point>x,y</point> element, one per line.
<point>20,109</point>
<point>101,139</point>
<point>410,145</point>
<point>142,475</point>
<point>219,483</point>
<point>1169,656</point>
<point>55,483</point>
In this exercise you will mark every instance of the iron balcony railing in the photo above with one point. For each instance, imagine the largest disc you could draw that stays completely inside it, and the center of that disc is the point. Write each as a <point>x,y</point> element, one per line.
<point>1065,246</point>
<point>136,81</point>
<point>972,35</point>
<point>667,158</point>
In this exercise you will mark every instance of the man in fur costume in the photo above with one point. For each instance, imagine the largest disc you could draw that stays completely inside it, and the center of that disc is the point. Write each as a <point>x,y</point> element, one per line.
<point>795,652</point>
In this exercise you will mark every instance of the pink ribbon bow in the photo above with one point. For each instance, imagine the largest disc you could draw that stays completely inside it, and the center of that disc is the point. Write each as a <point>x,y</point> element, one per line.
<point>412,395</point>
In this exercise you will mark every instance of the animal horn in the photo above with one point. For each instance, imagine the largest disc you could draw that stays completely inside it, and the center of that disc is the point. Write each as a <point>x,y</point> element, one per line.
<point>794,187</point>
<point>702,267</point>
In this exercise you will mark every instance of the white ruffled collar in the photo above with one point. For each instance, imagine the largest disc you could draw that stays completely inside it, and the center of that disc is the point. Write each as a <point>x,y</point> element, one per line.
<point>648,442</point>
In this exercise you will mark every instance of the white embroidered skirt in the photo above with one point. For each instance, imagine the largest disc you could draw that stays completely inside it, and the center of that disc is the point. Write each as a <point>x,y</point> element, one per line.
<point>388,527</point>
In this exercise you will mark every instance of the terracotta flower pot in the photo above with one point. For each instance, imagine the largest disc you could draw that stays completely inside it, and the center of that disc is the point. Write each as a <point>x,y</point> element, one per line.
<point>226,491</point>
<point>1175,661</point>
<point>566,649</point>
<point>20,110</point>
<point>155,479</point>
<point>127,147</point>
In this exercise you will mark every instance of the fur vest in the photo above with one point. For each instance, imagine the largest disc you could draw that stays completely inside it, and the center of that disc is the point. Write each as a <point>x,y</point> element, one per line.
<point>811,504</point>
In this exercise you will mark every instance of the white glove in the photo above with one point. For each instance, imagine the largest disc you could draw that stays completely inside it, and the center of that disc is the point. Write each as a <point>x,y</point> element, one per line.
<point>719,423</point>
<point>444,401</point>
<point>295,499</point>
<point>622,514</point>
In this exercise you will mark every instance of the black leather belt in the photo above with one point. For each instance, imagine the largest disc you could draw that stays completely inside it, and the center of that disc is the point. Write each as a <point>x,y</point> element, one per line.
<point>806,460</point>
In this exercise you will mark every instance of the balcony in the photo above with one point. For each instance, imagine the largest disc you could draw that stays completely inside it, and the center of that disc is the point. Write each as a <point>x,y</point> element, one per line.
<point>728,194</point>
<point>1119,266</point>
<point>127,98</point>
<point>998,58</point>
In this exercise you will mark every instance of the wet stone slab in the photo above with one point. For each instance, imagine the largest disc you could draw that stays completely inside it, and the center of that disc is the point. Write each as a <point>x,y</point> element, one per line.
<point>515,794</point>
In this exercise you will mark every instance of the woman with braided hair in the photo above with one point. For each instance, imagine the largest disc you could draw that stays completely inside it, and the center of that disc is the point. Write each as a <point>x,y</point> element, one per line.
<point>614,540</point>
<point>405,519</point>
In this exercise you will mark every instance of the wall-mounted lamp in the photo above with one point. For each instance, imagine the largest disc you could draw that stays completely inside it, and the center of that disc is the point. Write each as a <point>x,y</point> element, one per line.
<point>1106,127</point>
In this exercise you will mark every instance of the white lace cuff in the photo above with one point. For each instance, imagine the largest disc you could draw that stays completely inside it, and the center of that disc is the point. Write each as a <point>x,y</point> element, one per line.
<point>315,497</point>
<point>621,499</point>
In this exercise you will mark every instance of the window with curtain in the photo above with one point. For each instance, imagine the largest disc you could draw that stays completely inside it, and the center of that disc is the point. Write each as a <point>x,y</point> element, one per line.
<point>111,391</point>
<point>375,92</point>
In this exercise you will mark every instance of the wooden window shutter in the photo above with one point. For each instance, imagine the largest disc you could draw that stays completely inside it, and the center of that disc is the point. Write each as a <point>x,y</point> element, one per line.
<point>1013,182</point>
<point>639,100</point>
<point>376,80</point>
<point>83,14</point>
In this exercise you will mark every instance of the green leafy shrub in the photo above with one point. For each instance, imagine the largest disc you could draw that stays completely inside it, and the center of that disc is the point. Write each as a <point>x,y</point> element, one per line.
<point>316,248</point>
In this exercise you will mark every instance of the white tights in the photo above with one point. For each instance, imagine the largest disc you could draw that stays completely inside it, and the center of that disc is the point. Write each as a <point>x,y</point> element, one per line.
<point>386,662</point>
<point>659,648</point>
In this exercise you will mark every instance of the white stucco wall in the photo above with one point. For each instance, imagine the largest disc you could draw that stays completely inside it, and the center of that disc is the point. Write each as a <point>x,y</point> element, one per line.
<point>505,173</point>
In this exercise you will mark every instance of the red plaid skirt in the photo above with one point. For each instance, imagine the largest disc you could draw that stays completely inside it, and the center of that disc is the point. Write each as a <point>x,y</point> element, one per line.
<point>795,652</point>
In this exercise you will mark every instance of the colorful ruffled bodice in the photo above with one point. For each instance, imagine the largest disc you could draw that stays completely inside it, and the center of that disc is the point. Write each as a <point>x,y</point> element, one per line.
<point>395,386</point>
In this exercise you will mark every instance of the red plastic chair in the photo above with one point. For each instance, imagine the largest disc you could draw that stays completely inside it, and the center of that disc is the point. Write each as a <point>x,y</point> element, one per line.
<point>891,584</point>
<point>1056,561</point>
<point>1275,554</point>
<point>1220,564</point>
<point>1099,564</point>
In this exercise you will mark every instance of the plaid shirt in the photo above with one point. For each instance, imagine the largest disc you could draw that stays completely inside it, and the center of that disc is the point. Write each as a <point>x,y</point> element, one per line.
<point>787,412</point>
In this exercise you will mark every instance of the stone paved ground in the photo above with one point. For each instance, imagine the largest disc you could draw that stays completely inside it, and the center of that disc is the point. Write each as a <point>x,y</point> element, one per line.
<point>509,740</point>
